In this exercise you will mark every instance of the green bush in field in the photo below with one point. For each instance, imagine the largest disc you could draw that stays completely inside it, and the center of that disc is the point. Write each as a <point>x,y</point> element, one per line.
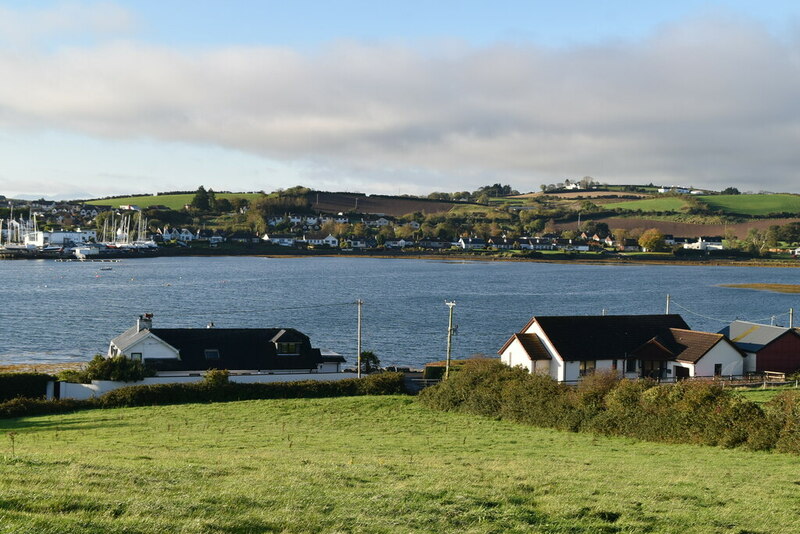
<point>28,385</point>
<point>687,412</point>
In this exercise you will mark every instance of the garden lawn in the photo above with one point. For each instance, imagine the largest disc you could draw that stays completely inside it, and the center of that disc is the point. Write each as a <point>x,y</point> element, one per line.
<point>370,464</point>
<point>763,395</point>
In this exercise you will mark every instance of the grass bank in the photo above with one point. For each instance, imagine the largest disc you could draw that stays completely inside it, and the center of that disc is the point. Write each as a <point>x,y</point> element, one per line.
<point>370,464</point>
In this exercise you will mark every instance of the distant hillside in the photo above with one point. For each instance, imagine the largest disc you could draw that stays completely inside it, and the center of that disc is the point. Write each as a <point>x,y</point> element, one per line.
<point>753,205</point>
<point>681,229</point>
<point>374,204</point>
<point>175,202</point>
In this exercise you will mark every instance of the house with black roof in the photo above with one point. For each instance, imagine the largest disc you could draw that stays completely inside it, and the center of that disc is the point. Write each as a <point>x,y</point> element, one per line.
<point>253,350</point>
<point>656,346</point>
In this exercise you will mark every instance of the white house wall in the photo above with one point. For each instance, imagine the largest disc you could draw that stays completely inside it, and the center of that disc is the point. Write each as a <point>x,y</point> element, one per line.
<point>152,348</point>
<point>516,356</point>
<point>750,362</point>
<point>556,364</point>
<point>731,360</point>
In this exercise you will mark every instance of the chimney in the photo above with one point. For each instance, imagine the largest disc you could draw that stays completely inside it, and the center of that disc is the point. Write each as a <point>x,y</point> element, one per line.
<point>144,322</point>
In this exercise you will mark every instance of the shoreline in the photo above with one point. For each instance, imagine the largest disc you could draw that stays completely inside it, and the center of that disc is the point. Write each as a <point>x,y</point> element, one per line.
<point>566,258</point>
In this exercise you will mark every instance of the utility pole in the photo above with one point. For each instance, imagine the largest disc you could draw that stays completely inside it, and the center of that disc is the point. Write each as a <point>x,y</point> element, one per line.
<point>450,305</point>
<point>359,302</point>
<point>791,317</point>
<point>667,312</point>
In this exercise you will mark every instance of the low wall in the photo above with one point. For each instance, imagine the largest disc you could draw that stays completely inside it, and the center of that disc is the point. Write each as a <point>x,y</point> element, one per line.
<point>70,390</point>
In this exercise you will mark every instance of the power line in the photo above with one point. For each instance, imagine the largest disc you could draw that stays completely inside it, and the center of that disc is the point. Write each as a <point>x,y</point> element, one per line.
<point>684,308</point>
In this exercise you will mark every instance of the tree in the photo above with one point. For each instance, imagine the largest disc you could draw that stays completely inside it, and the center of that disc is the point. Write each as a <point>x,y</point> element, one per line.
<point>652,240</point>
<point>200,200</point>
<point>369,362</point>
<point>730,191</point>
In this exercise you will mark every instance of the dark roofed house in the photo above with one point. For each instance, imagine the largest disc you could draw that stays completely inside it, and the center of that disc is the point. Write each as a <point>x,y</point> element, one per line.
<point>658,346</point>
<point>184,350</point>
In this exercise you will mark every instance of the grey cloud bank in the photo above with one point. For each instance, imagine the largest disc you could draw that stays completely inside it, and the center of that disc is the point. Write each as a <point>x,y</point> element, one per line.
<point>709,103</point>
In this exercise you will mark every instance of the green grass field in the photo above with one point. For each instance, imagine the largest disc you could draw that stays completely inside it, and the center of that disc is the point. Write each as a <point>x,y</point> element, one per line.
<point>370,464</point>
<point>649,204</point>
<point>756,205</point>
<point>175,202</point>
<point>762,395</point>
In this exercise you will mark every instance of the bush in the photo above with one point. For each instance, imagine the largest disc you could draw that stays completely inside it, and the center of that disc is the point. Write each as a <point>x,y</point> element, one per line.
<point>22,407</point>
<point>216,378</point>
<point>687,412</point>
<point>378,384</point>
<point>119,369</point>
<point>28,385</point>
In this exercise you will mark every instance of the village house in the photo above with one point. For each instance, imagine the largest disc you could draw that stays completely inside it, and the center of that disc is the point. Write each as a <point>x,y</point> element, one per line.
<point>321,240</point>
<point>767,347</point>
<point>655,346</point>
<point>176,351</point>
<point>469,243</point>
<point>284,240</point>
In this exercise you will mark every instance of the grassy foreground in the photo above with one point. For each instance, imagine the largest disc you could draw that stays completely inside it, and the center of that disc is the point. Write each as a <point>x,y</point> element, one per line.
<point>370,464</point>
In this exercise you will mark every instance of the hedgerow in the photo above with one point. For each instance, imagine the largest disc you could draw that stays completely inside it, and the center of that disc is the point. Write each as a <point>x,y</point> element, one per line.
<point>696,412</point>
<point>29,385</point>
<point>215,389</point>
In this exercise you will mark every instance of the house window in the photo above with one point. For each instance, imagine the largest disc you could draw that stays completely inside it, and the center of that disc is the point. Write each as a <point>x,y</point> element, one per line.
<point>717,369</point>
<point>136,356</point>
<point>587,367</point>
<point>630,366</point>
<point>212,354</point>
<point>288,348</point>
<point>614,364</point>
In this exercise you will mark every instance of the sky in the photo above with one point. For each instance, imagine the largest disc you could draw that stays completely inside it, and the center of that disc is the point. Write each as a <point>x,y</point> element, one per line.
<point>406,97</point>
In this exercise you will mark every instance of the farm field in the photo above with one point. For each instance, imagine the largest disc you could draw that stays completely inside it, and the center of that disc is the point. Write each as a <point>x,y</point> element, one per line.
<point>649,204</point>
<point>684,229</point>
<point>370,464</point>
<point>175,202</point>
<point>757,205</point>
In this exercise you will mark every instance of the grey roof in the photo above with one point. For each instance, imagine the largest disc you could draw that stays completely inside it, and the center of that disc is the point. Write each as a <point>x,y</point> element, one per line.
<point>129,337</point>
<point>752,337</point>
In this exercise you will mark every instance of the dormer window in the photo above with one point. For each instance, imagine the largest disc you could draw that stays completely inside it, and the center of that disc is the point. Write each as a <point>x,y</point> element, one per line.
<point>212,354</point>
<point>285,348</point>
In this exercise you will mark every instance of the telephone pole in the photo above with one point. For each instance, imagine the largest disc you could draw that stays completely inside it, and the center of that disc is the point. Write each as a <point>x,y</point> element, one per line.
<point>667,312</point>
<point>450,305</point>
<point>359,302</point>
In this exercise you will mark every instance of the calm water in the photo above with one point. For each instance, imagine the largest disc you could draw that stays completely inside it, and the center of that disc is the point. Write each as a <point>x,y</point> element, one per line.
<point>53,312</point>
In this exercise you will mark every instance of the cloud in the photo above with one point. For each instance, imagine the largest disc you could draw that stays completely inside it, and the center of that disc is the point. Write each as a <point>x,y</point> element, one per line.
<point>709,102</point>
<point>28,27</point>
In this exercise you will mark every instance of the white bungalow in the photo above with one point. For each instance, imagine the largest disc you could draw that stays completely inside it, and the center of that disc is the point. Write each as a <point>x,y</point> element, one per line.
<point>656,346</point>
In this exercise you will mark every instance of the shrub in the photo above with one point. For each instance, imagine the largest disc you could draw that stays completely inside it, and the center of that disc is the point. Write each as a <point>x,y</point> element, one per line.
<point>216,378</point>
<point>119,369</point>
<point>687,412</point>
<point>378,384</point>
<point>28,385</point>
<point>22,407</point>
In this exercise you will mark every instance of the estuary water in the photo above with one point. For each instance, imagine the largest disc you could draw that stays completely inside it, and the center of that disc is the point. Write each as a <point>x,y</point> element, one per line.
<point>54,312</point>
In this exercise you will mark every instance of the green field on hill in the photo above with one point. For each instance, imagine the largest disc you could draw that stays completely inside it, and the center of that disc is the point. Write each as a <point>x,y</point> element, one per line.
<point>756,205</point>
<point>370,464</point>
<point>649,204</point>
<point>175,202</point>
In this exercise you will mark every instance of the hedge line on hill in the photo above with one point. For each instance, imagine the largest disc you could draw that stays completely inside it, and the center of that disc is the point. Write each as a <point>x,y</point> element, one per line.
<point>687,412</point>
<point>215,388</point>
<point>30,385</point>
